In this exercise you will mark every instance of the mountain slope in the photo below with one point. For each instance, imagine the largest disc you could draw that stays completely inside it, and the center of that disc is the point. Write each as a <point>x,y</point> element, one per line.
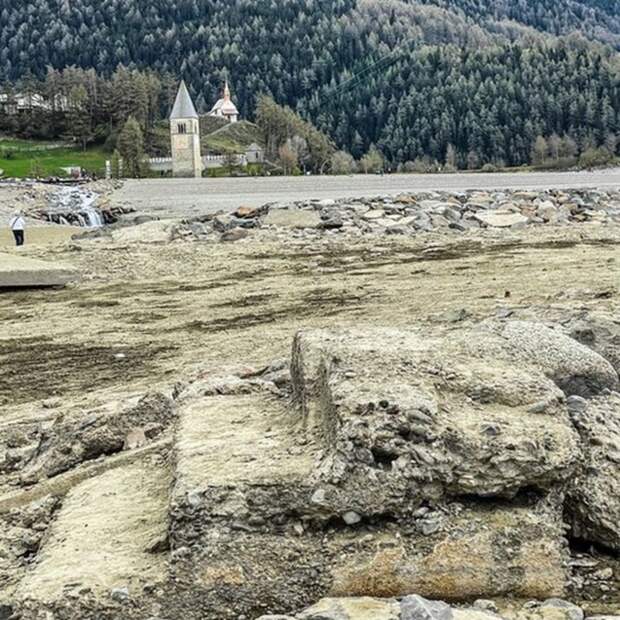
<point>412,76</point>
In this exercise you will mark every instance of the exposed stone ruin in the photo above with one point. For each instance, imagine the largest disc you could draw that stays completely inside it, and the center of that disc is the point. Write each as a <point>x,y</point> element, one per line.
<point>376,467</point>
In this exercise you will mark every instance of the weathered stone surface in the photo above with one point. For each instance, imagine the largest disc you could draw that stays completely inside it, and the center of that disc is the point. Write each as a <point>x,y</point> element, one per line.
<point>149,232</point>
<point>124,512</point>
<point>293,218</point>
<point>501,218</point>
<point>566,608</point>
<point>594,496</point>
<point>235,234</point>
<point>387,422</point>
<point>474,614</point>
<point>599,331</point>
<point>267,471</point>
<point>23,272</point>
<point>364,608</point>
<point>475,553</point>
<point>454,419</point>
<point>575,368</point>
<point>417,608</point>
<point>63,442</point>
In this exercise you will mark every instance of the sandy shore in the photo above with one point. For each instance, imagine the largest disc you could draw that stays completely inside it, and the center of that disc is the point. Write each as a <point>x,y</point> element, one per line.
<point>39,235</point>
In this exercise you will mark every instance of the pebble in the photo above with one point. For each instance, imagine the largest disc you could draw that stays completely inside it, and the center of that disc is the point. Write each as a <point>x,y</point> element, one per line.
<point>604,574</point>
<point>120,595</point>
<point>351,518</point>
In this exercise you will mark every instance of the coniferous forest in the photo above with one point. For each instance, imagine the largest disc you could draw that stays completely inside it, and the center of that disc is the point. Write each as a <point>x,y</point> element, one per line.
<point>418,79</point>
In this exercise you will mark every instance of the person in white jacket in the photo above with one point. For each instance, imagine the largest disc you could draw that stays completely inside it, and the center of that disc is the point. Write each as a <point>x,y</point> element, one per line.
<point>18,226</point>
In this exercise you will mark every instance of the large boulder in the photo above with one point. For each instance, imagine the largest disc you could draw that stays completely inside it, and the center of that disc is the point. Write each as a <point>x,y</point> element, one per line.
<point>574,367</point>
<point>594,496</point>
<point>408,417</point>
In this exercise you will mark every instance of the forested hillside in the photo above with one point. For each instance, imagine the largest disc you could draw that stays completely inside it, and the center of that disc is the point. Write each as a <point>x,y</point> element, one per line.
<point>413,77</point>
<point>597,19</point>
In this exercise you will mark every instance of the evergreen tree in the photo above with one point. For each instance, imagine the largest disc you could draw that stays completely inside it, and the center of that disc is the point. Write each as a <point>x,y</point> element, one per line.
<point>131,148</point>
<point>406,76</point>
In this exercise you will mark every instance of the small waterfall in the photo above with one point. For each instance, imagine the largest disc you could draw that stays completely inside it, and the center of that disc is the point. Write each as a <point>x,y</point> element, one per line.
<point>93,217</point>
<point>75,206</point>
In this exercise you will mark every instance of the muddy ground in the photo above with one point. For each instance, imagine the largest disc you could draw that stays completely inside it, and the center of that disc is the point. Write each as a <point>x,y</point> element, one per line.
<point>148,315</point>
<point>145,317</point>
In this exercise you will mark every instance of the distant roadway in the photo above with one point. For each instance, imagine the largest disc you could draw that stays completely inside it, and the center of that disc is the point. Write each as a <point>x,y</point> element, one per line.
<point>185,197</point>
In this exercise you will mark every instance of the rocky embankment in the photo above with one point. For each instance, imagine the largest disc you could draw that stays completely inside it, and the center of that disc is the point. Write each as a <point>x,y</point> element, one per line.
<point>411,214</point>
<point>470,212</point>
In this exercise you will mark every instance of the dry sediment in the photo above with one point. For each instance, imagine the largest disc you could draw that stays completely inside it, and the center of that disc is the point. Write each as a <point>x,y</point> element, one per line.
<point>443,455</point>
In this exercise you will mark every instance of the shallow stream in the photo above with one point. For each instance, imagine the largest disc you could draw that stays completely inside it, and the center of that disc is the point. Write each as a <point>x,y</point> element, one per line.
<point>75,206</point>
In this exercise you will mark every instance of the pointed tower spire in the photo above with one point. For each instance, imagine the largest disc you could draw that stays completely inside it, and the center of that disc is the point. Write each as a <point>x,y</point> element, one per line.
<point>226,91</point>
<point>183,105</point>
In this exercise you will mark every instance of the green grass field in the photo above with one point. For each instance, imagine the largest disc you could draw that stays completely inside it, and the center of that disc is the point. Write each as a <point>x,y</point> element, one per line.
<point>25,158</point>
<point>235,137</point>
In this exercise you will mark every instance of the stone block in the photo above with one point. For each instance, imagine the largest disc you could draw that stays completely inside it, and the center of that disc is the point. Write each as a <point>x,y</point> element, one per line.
<point>293,218</point>
<point>23,272</point>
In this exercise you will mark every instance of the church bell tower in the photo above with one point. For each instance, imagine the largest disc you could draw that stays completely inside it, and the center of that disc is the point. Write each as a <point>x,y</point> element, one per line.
<point>185,136</point>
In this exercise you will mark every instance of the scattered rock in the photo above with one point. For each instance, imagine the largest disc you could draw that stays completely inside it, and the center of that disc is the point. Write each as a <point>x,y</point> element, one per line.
<point>364,608</point>
<point>292,218</point>
<point>135,439</point>
<point>235,234</point>
<point>247,212</point>
<point>568,610</point>
<point>149,232</point>
<point>351,518</point>
<point>418,608</point>
<point>501,218</point>
<point>120,595</point>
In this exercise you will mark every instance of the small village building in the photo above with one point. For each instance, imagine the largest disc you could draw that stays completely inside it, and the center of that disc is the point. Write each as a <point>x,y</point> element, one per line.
<point>225,108</point>
<point>185,136</point>
<point>16,103</point>
<point>255,154</point>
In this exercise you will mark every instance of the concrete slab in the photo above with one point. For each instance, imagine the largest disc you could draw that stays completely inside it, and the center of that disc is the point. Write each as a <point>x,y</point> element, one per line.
<point>23,272</point>
<point>237,440</point>
<point>104,535</point>
<point>232,452</point>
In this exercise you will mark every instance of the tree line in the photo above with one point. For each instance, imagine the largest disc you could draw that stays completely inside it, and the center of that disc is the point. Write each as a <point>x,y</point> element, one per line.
<point>423,82</point>
<point>85,107</point>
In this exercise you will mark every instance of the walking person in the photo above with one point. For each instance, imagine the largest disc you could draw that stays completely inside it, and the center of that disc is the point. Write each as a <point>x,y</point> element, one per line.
<point>18,225</point>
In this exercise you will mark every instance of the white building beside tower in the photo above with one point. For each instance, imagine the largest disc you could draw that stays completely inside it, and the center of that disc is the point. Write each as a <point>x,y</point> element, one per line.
<point>225,108</point>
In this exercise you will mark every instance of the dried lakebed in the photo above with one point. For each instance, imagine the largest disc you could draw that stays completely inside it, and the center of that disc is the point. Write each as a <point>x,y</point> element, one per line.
<point>445,425</point>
